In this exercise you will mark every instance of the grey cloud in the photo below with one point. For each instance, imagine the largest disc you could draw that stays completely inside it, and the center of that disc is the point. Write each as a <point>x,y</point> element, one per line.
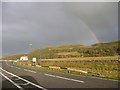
<point>102,18</point>
<point>56,23</point>
<point>0,29</point>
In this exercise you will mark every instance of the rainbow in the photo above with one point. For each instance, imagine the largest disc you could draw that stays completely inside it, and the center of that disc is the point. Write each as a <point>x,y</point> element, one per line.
<point>90,31</point>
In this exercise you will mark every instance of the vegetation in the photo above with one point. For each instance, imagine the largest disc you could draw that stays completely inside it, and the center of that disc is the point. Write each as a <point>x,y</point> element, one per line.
<point>70,53</point>
<point>84,58</point>
<point>105,69</point>
<point>108,69</point>
<point>73,51</point>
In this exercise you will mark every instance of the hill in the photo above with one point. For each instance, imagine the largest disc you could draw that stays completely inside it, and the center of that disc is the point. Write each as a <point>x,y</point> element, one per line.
<point>73,50</point>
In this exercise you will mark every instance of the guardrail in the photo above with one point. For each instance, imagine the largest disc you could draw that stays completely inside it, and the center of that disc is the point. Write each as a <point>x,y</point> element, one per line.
<point>69,69</point>
<point>76,70</point>
<point>80,60</point>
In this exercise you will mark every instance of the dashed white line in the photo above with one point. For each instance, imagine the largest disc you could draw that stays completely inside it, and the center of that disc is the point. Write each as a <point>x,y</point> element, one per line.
<point>55,76</point>
<point>9,65</point>
<point>29,70</point>
<point>65,78</point>
<point>17,67</point>
<point>70,74</point>
<point>25,69</point>
<point>20,68</point>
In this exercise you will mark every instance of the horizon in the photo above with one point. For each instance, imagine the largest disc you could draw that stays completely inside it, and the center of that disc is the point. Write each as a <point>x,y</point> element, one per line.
<point>53,46</point>
<point>56,23</point>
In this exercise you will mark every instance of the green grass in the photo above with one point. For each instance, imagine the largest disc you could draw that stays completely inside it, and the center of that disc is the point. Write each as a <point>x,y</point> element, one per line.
<point>56,70</point>
<point>85,58</point>
<point>107,69</point>
<point>68,53</point>
<point>101,50</point>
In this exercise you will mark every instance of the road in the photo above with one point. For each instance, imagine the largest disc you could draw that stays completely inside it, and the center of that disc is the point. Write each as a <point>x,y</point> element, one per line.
<point>25,79</point>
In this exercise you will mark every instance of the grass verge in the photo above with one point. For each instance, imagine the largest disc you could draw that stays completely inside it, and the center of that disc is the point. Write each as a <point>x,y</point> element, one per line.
<point>85,58</point>
<point>108,70</point>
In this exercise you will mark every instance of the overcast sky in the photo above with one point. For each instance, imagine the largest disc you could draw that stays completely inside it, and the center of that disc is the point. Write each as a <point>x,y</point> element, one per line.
<point>54,23</point>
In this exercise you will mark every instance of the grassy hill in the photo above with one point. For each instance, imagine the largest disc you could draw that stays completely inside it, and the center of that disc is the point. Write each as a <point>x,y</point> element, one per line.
<point>71,54</point>
<point>101,49</point>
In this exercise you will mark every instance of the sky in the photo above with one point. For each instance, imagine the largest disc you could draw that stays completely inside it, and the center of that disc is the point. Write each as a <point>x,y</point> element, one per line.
<point>54,23</point>
<point>0,30</point>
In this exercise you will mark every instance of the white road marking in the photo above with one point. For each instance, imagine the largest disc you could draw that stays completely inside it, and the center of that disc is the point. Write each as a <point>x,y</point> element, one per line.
<point>20,68</point>
<point>17,79</point>
<point>12,81</point>
<point>79,75</point>
<point>25,69</point>
<point>65,78</point>
<point>9,65</point>
<point>29,70</point>
<point>23,79</point>
<point>17,67</point>
<point>24,84</point>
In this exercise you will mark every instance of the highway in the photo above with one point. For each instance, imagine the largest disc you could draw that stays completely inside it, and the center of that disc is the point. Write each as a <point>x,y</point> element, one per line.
<point>16,77</point>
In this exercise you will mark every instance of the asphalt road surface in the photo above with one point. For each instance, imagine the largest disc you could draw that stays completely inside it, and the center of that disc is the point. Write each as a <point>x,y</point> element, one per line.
<point>16,77</point>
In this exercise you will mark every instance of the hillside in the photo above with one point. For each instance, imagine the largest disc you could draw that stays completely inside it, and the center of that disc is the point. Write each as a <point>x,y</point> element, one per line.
<point>73,50</point>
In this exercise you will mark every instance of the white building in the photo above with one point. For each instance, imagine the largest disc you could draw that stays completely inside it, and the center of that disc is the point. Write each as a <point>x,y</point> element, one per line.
<point>24,58</point>
<point>34,59</point>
